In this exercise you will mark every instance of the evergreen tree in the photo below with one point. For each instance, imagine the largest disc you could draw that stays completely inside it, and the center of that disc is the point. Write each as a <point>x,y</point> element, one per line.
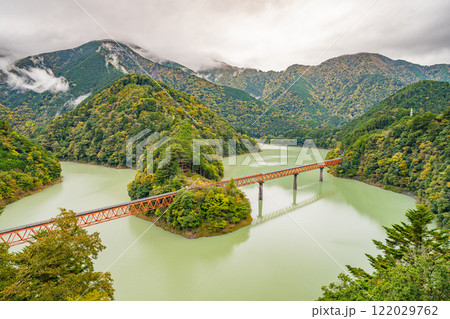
<point>414,265</point>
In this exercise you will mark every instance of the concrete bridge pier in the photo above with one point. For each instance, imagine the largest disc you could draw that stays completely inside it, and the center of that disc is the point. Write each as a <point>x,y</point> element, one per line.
<point>260,196</point>
<point>321,175</point>
<point>260,199</point>
<point>294,187</point>
<point>260,207</point>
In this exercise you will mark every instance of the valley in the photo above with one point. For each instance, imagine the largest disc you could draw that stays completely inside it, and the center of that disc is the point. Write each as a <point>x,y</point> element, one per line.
<point>123,127</point>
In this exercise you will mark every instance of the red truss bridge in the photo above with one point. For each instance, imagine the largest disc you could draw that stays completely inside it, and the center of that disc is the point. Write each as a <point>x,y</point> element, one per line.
<point>22,234</point>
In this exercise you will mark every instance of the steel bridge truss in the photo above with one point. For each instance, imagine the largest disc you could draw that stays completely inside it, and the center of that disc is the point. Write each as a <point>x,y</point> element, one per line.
<point>22,234</point>
<point>261,178</point>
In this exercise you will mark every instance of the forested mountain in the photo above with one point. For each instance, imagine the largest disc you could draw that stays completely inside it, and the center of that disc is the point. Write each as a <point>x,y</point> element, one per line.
<point>322,137</point>
<point>421,97</point>
<point>20,124</point>
<point>24,167</point>
<point>334,92</point>
<point>98,129</point>
<point>46,85</point>
<point>390,148</point>
<point>330,94</point>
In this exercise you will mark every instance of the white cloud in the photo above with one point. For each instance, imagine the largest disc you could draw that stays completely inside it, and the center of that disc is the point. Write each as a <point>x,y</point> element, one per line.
<point>35,79</point>
<point>74,102</point>
<point>4,62</point>
<point>265,34</point>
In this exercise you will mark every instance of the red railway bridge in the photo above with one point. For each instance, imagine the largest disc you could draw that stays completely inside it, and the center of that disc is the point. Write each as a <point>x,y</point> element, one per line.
<point>22,234</point>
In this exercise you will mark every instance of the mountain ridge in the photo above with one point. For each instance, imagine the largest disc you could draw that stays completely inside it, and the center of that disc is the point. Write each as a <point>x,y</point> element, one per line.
<point>346,86</point>
<point>325,96</point>
<point>417,98</point>
<point>87,69</point>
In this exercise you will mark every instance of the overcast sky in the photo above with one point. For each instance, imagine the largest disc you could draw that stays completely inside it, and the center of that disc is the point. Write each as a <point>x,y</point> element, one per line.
<point>264,34</point>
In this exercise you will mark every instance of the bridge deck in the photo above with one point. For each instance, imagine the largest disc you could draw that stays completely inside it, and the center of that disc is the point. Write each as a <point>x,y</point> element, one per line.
<point>22,234</point>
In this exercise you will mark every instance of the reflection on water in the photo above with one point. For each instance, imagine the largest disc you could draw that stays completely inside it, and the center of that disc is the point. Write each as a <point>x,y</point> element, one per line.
<point>294,206</point>
<point>213,248</point>
<point>272,259</point>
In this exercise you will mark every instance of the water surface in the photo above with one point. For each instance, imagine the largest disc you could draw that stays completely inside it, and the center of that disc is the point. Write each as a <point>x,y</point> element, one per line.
<point>287,254</point>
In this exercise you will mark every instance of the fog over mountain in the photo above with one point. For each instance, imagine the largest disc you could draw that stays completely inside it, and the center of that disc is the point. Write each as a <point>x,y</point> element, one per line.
<point>268,34</point>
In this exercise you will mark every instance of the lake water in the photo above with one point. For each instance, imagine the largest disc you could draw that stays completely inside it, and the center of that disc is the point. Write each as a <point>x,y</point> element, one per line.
<point>287,253</point>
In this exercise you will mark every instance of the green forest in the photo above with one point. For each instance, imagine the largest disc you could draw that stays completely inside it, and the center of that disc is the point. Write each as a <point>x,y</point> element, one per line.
<point>205,211</point>
<point>24,166</point>
<point>413,155</point>
<point>238,107</point>
<point>94,66</point>
<point>421,97</point>
<point>323,138</point>
<point>18,123</point>
<point>172,167</point>
<point>58,266</point>
<point>394,150</point>
<point>97,131</point>
<point>325,96</point>
<point>329,94</point>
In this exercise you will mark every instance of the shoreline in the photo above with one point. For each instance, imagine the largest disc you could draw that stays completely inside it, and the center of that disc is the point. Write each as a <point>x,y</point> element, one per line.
<point>197,233</point>
<point>98,164</point>
<point>32,192</point>
<point>403,191</point>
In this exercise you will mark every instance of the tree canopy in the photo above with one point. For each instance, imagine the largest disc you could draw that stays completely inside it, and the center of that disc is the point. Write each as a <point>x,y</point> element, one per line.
<point>414,265</point>
<point>205,212</point>
<point>412,155</point>
<point>24,166</point>
<point>59,265</point>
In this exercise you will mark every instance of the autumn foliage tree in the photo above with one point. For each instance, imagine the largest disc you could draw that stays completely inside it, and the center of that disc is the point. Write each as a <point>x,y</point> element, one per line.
<point>206,211</point>
<point>59,265</point>
<point>24,166</point>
